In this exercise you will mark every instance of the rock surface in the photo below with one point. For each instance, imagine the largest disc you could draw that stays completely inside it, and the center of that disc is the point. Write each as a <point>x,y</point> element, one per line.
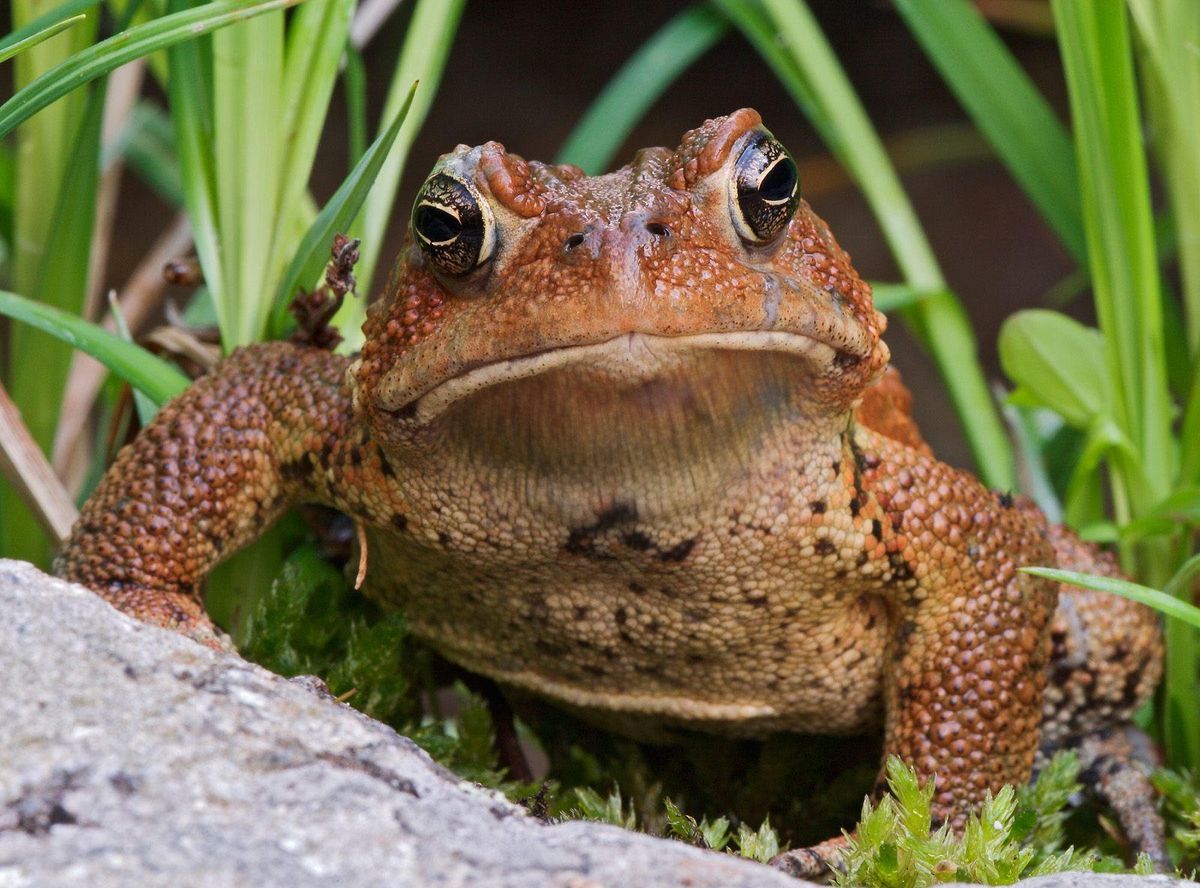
<point>132,756</point>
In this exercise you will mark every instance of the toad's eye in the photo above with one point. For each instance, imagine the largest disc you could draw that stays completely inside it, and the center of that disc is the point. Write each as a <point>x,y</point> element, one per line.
<point>453,225</point>
<point>764,189</point>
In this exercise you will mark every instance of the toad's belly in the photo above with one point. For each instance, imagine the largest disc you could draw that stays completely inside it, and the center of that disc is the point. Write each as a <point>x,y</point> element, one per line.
<point>640,642</point>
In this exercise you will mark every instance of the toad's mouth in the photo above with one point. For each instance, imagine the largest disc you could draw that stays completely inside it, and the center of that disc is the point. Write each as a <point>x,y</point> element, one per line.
<point>633,399</point>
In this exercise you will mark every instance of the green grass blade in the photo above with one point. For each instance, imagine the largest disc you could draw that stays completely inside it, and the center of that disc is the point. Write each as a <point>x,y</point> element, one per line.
<point>316,40</point>
<point>1008,109</point>
<point>247,74</point>
<point>1170,40</point>
<point>20,46</point>
<point>422,58</point>
<point>143,403</point>
<point>1182,721</point>
<point>354,79</point>
<point>889,297</point>
<point>146,372</point>
<point>191,115</point>
<point>47,148</point>
<point>787,36</point>
<point>1114,185</point>
<point>39,25</point>
<point>638,84</point>
<point>313,252</point>
<point>138,41</point>
<point>1160,601</point>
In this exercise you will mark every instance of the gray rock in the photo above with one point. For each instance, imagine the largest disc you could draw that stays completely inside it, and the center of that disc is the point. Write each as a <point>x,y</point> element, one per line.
<point>132,756</point>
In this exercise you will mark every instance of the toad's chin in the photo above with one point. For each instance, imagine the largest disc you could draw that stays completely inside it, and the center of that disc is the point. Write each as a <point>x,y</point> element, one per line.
<point>636,402</point>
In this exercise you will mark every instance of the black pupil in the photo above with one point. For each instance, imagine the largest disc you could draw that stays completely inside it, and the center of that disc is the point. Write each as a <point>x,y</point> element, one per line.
<point>437,225</point>
<point>780,182</point>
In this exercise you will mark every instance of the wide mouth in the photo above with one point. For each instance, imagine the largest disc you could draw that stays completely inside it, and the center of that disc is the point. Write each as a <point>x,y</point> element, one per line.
<point>634,406</point>
<point>629,361</point>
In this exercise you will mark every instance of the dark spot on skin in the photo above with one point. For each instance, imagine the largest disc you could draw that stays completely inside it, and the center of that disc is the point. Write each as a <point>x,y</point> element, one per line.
<point>580,540</point>
<point>408,411</point>
<point>384,465</point>
<point>581,611</point>
<point>818,507</point>
<point>295,470</point>
<point>824,546</point>
<point>877,529</point>
<point>651,669</point>
<point>443,537</point>
<point>668,591</point>
<point>862,558</point>
<point>679,551</point>
<point>694,616</point>
<point>1061,676</point>
<point>636,588</point>
<point>837,466</point>
<point>759,601</point>
<point>855,505</point>
<point>616,514</point>
<point>1129,690</point>
<point>355,456</point>
<point>637,540</point>
<point>1006,500</point>
<point>625,637</point>
<point>900,568</point>
<point>621,616</point>
<point>907,628</point>
<point>400,522</point>
<point>654,626</point>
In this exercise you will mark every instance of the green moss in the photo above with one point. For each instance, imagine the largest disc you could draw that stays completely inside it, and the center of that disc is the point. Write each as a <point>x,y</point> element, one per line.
<point>1014,835</point>
<point>310,622</point>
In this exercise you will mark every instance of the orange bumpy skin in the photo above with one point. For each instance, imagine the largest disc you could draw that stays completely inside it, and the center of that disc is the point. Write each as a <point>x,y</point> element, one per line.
<point>629,442</point>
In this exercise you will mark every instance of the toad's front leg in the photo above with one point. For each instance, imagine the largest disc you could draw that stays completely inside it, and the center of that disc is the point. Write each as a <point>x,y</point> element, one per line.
<point>966,658</point>
<point>208,475</point>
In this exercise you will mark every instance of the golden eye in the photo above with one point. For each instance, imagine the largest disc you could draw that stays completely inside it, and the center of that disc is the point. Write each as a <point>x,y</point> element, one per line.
<point>453,225</point>
<point>764,189</point>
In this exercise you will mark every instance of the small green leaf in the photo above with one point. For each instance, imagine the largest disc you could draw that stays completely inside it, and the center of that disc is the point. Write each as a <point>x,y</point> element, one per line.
<point>313,252</point>
<point>637,85</point>
<point>144,371</point>
<point>1059,362</point>
<point>132,44</point>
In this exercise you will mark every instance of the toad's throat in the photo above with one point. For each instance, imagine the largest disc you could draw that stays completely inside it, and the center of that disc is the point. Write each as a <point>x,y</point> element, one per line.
<point>637,404</point>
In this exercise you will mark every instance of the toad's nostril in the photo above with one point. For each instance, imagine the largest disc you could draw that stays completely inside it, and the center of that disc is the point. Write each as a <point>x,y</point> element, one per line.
<point>574,240</point>
<point>658,229</point>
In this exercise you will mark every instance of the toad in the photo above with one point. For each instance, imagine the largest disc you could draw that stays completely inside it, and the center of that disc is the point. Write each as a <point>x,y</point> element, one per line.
<point>631,443</point>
